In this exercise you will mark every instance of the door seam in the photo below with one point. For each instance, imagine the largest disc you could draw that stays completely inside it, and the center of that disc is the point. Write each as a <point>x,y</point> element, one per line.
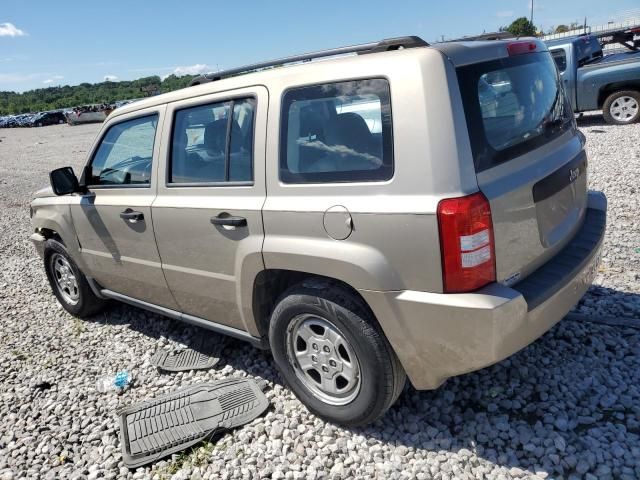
<point>153,228</point>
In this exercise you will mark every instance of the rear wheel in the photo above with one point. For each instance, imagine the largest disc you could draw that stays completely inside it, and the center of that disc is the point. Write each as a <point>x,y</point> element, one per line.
<point>334,356</point>
<point>68,283</point>
<point>622,108</point>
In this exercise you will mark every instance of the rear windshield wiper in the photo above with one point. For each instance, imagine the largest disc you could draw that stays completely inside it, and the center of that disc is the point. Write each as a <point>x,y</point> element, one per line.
<point>555,117</point>
<point>551,124</point>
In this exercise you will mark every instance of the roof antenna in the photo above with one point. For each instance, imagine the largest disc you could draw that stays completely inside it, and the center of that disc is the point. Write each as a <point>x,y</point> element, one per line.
<point>531,19</point>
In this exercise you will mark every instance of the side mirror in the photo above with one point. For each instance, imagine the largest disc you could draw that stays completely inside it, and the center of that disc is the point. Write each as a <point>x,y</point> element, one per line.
<point>64,181</point>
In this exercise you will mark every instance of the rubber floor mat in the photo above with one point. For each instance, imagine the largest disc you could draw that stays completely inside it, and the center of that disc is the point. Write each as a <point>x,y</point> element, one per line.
<point>159,427</point>
<point>204,355</point>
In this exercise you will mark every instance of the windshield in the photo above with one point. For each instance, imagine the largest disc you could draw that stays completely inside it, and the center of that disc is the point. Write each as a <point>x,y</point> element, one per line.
<point>512,105</point>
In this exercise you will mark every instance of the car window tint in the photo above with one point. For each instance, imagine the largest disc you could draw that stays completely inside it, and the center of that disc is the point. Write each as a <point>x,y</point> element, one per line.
<point>517,101</point>
<point>241,149</point>
<point>560,57</point>
<point>338,132</point>
<point>200,152</point>
<point>125,154</point>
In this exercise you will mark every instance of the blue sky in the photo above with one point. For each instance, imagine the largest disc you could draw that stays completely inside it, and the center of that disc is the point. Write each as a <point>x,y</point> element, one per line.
<point>44,42</point>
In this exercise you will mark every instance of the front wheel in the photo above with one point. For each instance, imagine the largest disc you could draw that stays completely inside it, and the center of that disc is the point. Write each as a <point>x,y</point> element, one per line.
<point>68,283</point>
<point>622,108</point>
<point>333,354</point>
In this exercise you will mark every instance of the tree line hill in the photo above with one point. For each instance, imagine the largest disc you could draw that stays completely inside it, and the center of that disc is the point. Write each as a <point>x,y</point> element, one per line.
<point>52,98</point>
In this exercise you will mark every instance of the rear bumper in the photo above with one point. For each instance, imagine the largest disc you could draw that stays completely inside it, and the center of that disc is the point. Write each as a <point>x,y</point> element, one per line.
<point>437,336</point>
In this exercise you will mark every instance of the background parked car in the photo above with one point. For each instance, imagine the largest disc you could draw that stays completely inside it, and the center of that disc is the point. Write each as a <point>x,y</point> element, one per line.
<point>596,81</point>
<point>48,118</point>
<point>23,120</point>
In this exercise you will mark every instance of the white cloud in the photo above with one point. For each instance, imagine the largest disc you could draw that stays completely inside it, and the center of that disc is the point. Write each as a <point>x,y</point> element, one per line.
<point>110,78</point>
<point>14,58</point>
<point>52,79</point>
<point>19,77</point>
<point>196,69</point>
<point>10,30</point>
<point>504,13</point>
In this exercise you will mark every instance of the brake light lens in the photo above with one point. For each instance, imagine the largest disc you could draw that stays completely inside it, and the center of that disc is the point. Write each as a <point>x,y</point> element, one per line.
<point>466,243</point>
<point>518,48</point>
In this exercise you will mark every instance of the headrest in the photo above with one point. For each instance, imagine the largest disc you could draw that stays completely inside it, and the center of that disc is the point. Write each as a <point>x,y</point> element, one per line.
<point>215,136</point>
<point>351,130</point>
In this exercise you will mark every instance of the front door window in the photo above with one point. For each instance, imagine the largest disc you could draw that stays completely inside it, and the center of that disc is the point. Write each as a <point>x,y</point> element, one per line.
<point>125,153</point>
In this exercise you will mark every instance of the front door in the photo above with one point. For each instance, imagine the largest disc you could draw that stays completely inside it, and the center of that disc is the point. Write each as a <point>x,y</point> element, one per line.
<point>113,220</point>
<point>207,216</point>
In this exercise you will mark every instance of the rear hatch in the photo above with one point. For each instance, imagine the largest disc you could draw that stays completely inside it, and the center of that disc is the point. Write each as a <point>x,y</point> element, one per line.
<point>528,155</point>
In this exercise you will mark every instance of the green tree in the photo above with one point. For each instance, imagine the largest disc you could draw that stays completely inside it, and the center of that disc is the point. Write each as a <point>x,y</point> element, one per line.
<point>522,27</point>
<point>561,29</point>
<point>66,96</point>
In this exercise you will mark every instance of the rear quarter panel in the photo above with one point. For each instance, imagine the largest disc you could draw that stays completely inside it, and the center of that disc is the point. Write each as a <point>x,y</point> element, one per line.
<point>394,244</point>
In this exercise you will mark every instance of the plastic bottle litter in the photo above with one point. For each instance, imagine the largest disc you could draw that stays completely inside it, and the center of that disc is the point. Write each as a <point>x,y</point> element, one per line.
<point>119,382</point>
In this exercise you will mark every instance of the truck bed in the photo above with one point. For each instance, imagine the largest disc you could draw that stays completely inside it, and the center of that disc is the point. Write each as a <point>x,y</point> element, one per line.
<point>615,58</point>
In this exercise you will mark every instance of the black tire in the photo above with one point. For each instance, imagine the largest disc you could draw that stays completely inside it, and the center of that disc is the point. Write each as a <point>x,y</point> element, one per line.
<point>88,303</point>
<point>382,377</point>
<point>610,101</point>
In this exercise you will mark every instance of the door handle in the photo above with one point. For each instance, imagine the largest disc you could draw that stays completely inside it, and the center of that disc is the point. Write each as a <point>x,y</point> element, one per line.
<point>131,215</point>
<point>229,220</point>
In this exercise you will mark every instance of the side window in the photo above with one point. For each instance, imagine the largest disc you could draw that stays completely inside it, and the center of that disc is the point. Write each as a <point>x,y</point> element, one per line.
<point>125,155</point>
<point>213,143</point>
<point>337,132</point>
<point>560,57</point>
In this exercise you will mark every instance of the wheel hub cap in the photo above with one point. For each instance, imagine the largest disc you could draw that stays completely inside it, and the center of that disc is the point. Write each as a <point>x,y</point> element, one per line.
<point>624,109</point>
<point>323,360</point>
<point>65,279</point>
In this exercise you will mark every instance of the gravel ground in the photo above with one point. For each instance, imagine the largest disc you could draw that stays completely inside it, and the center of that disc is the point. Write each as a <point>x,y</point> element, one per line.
<point>568,406</point>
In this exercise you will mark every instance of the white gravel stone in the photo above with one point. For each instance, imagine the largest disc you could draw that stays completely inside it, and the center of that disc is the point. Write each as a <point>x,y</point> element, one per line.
<point>568,406</point>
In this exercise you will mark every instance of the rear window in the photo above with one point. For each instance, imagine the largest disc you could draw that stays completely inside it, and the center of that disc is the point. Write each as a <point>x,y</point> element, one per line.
<point>560,57</point>
<point>512,105</point>
<point>587,49</point>
<point>337,132</point>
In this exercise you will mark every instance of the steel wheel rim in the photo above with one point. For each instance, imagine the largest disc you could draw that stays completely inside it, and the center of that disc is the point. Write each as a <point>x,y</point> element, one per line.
<point>322,359</point>
<point>624,109</point>
<point>65,279</point>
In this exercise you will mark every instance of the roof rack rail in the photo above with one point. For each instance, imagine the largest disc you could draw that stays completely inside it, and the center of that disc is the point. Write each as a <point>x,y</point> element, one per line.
<point>484,36</point>
<point>373,47</point>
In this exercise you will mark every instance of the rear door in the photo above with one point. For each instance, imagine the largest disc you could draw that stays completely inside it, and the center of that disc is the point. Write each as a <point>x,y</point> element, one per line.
<point>113,219</point>
<point>528,156</point>
<point>208,213</point>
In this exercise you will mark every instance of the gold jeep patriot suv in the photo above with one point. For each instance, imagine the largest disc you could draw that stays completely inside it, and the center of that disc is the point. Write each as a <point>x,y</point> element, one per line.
<point>397,210</point>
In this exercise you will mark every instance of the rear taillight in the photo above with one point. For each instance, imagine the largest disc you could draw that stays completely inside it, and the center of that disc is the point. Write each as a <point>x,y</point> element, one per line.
<point>518,48</point>
<point>466,242</point>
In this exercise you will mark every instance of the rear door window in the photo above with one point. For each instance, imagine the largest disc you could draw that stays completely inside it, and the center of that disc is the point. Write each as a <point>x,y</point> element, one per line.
<point>337,132</point>
<point>213,143</point>
<point>512,105</point>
